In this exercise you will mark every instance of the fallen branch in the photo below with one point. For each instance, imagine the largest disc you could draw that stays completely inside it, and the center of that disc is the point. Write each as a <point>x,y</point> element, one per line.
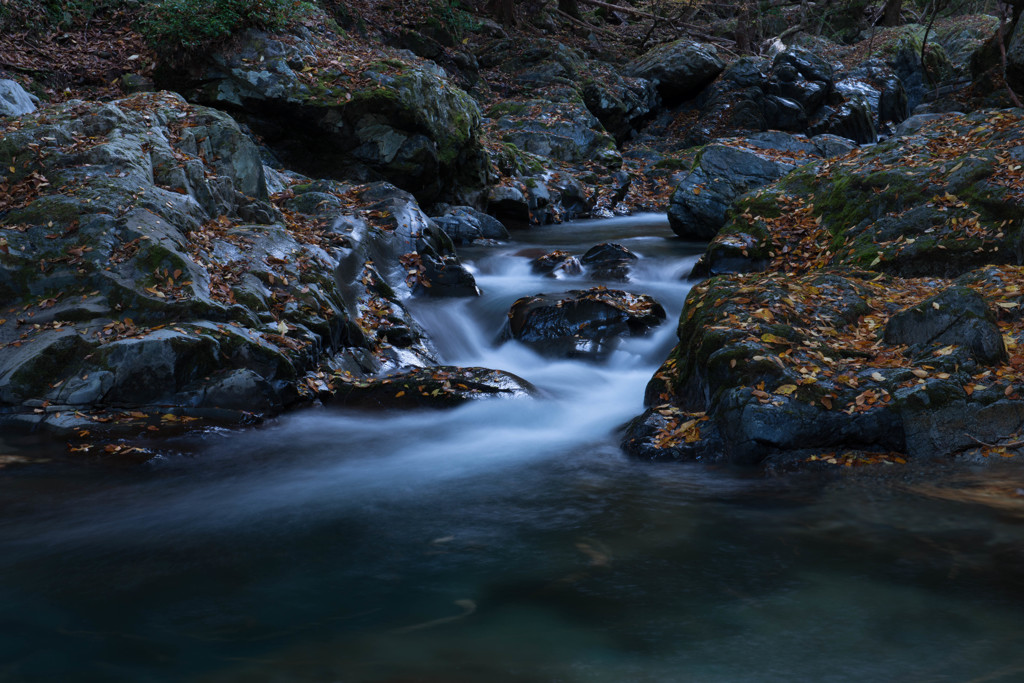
<point>583,24</point>
<point>625,10</point>
<point>1010,444</point>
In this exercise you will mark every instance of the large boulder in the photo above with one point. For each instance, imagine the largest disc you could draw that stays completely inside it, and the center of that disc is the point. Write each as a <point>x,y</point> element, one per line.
<point>152,271</point>
<point>559,73</point>
<point>761,384</point>
<point>679,69</point>
<point>887,322</point>
<point>581,323</point>
<point>725,170</point>
<point>330,112</point>
<point>565,131</point>
<point>937,201</point>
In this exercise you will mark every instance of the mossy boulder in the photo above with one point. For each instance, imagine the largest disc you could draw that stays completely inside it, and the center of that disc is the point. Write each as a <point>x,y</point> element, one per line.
<point>331,113</point>
<point>144,266</point>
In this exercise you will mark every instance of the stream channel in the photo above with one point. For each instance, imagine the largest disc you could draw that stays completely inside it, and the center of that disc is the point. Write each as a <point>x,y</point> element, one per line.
<point>506,540</point>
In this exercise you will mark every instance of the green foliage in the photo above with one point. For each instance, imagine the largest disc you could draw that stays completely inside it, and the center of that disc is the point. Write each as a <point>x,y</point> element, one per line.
<point>181,27</point>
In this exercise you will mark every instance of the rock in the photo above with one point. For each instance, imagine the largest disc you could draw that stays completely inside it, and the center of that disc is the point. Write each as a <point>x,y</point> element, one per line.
<point>853,119</point>
<point>802,77</point>
<point>407,125</point>
<point>621,104</point>
<point>168,278</point>
<point>436,269</point>
<point>723,172</point>
<point>565,131</point>
<point>901,359</point>
<point>428,387</point>
<point>133,83</point>
<point>955,316</point>
<point>572,197</point>
<point>881,88</point>
<point>555,262</point>
<point>679,69</point>
<point>581,323</point>
<point>464,225</point>
<point>904,56</point>
<point>608,261</point>
<point>14,101</point>
<point>965,38</point>
<point>509,204</point>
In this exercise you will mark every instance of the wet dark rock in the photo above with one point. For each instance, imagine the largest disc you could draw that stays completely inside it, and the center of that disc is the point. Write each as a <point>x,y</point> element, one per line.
<point>883,90</point>
<point>608,261</point>
<point>1015,57</point>
<point>957,315</point>
<point>581,323</point>
<point>437,270</point>
<point>622,104</point>
<point>465,225</point>
<point>851,119</point>
<point>556,262</point>
<point>429,387</point>
<point>680,69</point>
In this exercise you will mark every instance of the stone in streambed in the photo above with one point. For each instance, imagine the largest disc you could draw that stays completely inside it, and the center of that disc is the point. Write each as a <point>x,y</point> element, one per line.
<point>429,387</point>
<point>581,323</point>
<point>608,261</point>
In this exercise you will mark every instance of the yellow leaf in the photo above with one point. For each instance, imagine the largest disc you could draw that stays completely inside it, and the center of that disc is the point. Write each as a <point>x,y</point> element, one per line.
<point>1007,304</point>
<point>773,338</point>
<point>945,350</point>
<point>786,389</point>
<point>918,372</point>
<point>877,376</point>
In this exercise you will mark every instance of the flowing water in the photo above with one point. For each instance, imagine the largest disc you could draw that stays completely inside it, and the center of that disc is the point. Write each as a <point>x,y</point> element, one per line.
<point>504,540</point>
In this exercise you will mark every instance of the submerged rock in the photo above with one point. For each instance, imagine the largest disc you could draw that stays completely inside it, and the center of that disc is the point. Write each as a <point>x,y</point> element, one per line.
<point>581,323</point>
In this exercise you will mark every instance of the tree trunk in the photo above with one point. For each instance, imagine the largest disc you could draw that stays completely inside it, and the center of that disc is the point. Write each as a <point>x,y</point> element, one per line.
<point>503,11</point>
<point>744,29</point>
<point>891,12</point>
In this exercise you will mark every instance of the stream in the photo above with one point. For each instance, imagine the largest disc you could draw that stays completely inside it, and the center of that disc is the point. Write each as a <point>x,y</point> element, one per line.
<point>506,540</point>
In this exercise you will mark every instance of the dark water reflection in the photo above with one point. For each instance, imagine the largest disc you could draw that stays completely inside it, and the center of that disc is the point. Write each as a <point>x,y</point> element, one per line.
<point>506,541</point>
